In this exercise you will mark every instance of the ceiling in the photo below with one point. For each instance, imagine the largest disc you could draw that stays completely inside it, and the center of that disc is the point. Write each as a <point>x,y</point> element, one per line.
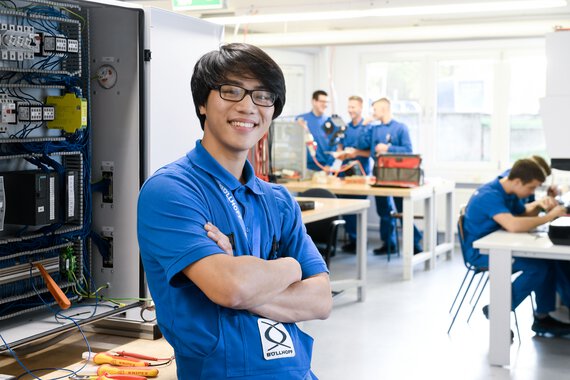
<point>477,23</point>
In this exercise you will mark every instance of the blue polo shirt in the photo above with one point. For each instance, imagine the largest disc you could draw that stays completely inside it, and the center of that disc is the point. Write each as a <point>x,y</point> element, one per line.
<point>394,133</point>
<point>487,201</point>
<point>315,124</point>
<point>174,205</point>
<point>351,136</point>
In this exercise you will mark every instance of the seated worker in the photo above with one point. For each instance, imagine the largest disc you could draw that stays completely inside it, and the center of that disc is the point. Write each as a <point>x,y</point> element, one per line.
<point>348,144</point>
<point>497,205</point>
<point>228,261</point>
<point>314,121</point>
<point>562,267</point>
<point>390,136</point>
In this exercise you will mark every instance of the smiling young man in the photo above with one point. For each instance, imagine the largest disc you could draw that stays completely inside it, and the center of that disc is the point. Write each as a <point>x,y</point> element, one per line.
<point>228,261</point>
<point>497,205</point>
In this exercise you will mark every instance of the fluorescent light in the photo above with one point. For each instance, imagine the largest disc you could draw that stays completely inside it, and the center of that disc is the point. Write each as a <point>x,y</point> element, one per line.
<point>463,32</point>
<point>428,10</point>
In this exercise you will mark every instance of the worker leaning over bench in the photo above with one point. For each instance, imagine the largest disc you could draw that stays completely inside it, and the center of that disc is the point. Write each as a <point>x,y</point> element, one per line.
<point>229,264</point>
<point>498,204</point>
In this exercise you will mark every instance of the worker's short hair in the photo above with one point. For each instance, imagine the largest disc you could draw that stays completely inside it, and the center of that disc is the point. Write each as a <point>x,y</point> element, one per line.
<point>356,98</point>
<point>241,61</point>
<point>386,100</point>
<point>527,170</point>
<point>318,93</point>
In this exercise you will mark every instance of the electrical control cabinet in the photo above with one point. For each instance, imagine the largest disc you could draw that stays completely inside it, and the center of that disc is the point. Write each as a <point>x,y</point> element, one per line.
<point>84,86</point>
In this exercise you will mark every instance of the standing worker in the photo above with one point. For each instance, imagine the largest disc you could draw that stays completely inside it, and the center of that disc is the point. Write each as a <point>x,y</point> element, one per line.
<point>314,122</point>
<point>228,260</point>
<point>354,129</point>
<point>390,136</point>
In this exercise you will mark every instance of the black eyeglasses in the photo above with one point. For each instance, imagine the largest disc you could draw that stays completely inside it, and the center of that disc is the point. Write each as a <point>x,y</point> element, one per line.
<point>234,93</point>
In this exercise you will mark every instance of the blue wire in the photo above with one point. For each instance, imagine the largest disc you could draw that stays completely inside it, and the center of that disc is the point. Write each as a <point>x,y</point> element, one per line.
<point>31,372</point>
<point>16,357</point>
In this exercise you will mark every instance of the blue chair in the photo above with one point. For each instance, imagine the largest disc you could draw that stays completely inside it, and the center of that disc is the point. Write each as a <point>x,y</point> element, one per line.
<point>483,272</point>
<point>471,269</point>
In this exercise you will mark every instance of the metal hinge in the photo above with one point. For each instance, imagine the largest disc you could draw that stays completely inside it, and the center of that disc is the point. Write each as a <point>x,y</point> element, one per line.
<point>147,55</point>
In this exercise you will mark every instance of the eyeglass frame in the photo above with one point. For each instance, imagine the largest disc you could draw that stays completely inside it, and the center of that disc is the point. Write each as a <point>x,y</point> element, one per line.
<point>246,92</point>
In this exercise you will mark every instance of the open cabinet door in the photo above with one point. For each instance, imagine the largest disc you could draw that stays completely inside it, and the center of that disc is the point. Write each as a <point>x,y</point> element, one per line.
<point>174,42</point>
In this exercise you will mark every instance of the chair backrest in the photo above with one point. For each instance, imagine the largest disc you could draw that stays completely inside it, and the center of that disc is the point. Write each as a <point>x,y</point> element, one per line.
<point>461,234</point>
<point>318,193</point>
<point>319,230</point>
<point>460,220</point>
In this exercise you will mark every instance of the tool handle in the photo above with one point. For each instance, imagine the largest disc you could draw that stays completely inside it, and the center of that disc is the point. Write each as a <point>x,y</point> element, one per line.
<point>136,356</point>
<point>121,377</point>
<point>53,288</point>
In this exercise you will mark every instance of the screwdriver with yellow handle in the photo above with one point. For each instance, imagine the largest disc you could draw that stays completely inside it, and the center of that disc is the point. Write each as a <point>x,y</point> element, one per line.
<point>141,371</point>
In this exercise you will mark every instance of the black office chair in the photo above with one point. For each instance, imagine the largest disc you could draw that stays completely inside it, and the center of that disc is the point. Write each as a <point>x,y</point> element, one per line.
<point>475,270</point>
<point>324,232</point>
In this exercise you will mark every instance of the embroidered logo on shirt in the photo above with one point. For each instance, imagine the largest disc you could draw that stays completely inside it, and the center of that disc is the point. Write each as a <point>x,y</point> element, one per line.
<point>275,340</point>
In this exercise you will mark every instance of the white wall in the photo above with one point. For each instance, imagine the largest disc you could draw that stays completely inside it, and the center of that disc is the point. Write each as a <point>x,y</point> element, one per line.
<point>298,99</point>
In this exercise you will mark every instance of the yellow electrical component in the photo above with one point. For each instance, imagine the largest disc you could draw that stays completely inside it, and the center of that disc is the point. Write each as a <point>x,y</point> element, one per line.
<point>70,112</point>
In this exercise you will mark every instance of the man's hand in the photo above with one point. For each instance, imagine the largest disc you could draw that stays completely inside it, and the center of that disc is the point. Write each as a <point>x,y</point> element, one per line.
<point>219,238</point>
<point>556,212</point>
<point>346,154</point>
<point>547,203</point>
<point>381,148</point>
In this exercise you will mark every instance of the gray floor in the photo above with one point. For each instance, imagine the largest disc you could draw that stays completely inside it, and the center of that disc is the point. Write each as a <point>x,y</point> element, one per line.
<point>400,332</point>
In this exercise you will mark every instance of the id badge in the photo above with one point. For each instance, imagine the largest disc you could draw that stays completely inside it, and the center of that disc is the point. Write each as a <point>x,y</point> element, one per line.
<point>275,340</point>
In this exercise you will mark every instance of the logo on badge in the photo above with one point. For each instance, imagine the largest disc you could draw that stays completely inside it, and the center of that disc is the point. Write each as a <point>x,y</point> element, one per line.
<point>275,340</point>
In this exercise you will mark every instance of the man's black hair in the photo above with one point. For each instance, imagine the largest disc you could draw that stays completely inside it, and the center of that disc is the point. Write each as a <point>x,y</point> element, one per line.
<point>318,93</point>
<point>241,61</point>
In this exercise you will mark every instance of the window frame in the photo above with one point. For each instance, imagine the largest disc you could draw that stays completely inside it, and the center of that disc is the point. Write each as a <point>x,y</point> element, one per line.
<point>429,55</point>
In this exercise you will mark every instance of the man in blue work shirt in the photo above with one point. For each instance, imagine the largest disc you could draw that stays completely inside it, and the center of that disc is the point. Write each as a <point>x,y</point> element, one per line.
<point>228,261</point>
<point>349,146</point>
<point>497,205</point>
<point>390,136</point>
<point>314,121</point>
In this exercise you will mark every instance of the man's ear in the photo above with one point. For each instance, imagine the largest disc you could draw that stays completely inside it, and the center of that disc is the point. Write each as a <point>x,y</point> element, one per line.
<point>202,110</point>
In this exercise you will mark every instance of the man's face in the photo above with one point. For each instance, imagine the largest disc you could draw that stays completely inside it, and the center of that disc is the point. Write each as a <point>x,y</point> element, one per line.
<point>320,105</point>
<point>236,126</point>
<point>381,110</point>
<point>354,109</point>
<point>525,190</point>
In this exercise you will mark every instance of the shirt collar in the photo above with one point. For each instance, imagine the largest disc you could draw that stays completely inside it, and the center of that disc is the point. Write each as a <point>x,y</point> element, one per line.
<point>200,157</point>
<point>357,124</point>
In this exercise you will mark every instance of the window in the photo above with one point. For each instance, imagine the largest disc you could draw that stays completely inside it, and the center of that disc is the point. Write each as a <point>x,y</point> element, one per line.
<point>472,108</point>
<point>527,86</point>
<point>400,82</point>
<point>464,108</point>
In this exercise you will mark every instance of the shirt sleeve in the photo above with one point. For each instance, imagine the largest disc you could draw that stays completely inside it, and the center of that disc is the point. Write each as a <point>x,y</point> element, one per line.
<point>404,144</point>
<point>294,240</point>
<point>171,216</point>
<point>494,204</point>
